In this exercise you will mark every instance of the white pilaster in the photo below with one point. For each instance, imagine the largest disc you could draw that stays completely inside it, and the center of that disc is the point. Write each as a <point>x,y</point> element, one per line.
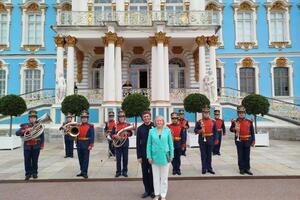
<point>81,5</point>
<point>160,91</point>
<point>166,72</point>
<point>197,5</point>
<point>71,41</point>
<point>213,41</point>
<point>120,5</point>
<point>118,70</point>
<point>201,41</point>
<point>59,67</point>
<point>156,5</point>
<point>153,69</point>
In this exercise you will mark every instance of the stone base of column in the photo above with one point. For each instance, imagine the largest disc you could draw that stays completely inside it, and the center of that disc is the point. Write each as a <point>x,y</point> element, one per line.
<point>162,110</point>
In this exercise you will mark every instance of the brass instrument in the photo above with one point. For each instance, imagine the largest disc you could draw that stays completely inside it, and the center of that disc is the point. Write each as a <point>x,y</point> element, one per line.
<point>237,130</point>
<point>203,129</point>
<point>121,139</point>
<point>72,129</point>
<point>38,128</point>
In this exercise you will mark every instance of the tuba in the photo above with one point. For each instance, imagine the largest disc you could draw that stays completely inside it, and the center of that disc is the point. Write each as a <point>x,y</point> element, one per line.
<point>38,128</point>
<point>72,129</point>
<point>118,142</point>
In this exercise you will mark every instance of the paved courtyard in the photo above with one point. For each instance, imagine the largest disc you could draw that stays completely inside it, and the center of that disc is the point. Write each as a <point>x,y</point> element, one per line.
<point>280,159</point>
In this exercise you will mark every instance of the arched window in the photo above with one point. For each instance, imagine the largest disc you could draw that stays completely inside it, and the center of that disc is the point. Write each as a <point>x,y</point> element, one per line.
<point>247,80</point>
<point>177,73</point>
<point>3,78</point>
<point>281,81</point>
<point>98,74</point>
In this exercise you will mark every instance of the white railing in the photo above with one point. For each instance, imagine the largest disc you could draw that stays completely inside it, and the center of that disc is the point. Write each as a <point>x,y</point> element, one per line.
<point>94,96</point>
<point>129,18</point>
<point>39,97</point>
<point>177,95</point>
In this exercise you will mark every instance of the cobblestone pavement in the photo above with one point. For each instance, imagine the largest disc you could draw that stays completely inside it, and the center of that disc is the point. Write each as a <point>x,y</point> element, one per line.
<point>280,159</point>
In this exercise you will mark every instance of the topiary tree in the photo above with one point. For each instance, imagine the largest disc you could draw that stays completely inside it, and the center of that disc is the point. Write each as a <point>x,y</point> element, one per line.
<point>12,105</point>
<point>74,104</point>
<point>195,102</point>
<point>256,104</point>
<point>135,104</point>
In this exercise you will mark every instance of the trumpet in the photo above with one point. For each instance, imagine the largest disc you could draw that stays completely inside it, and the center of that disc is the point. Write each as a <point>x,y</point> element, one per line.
<point>203,130</point>
<point>72,129</point>
<point>237,131</point>
<point>38,128</point>
<point>121,139</point>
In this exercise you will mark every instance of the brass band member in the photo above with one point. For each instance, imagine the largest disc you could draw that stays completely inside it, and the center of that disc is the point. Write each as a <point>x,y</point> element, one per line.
<point>122,150</point>
<point>221,132</point>
<point>69,140</point>
<point>85,143</point>
<point>244,139</point>
<point>31,147</point>
<point>108,128</point>
<point>185,125</point>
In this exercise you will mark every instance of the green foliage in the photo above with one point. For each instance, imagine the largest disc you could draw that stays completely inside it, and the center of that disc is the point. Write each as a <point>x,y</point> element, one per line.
<point>135,104</point>
<point>12,105</point>
<point>74,104</point>
<point>256,104</point>
<point>195,102</point>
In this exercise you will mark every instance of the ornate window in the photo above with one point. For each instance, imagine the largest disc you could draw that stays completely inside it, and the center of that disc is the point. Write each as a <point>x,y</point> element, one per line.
<point>217,9</point>
<point>279,24</point>
<point>33,25</point>
<point>173,6</point>
<point>177,73</point>
<point>5,10</point>
<point>220,76</point>
<point>3,78</point>
<point>248,76</point>
<point>63,12</point>
<point>98,74</point>
<point>282,77</point>
<point>32,73</point>
<point>139,73</point>
<point>138,6</point>
<point>101,6</point>
<point>245,24</point>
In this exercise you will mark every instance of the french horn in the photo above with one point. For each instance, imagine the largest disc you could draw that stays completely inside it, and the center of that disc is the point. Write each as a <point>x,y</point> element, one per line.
<point>72,129</point>
<point>38,128</point>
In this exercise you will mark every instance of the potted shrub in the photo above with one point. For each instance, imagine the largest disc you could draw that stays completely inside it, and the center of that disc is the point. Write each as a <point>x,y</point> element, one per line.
<point>11,105</point>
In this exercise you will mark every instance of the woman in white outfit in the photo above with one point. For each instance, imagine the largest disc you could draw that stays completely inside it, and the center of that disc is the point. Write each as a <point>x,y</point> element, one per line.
<point>160,152</point>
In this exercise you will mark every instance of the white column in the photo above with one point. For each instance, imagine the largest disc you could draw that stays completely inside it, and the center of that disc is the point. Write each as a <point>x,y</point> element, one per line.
<point>156,5</point>
<point>160,91</point>
<point>118,70</point>
<point>153,68</point>
<point>71,41</point>
<point>60,42</point>
<point>166,70</point>
<point>120,5</point>
<point>213,41</point>
<point>201,41</point>
<point>105,77</point>
<point>197,5</point>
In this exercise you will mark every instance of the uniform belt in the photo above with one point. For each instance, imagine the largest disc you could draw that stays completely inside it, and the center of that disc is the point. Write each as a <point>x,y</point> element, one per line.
<point>219,129</point>
<point>208,134</point>
<point>244,137</point>
<point>83,139</point>
<point>177,138</point>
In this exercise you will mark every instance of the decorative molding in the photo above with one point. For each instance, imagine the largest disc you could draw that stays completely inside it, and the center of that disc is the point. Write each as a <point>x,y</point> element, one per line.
<point>196,61</point>
<point>109,37</point>
<point>214,6</point>
<point>167,41</point>
<point>279,45</point>
<point>32,63</point>
<point>160,37</point>
<point>120,41</point>
<point>79,58</point>
<point>1,64</point>
<point>138,50</point>
<point>114,7</point>
<point>65,63</point>
<point>201,40</point>
<point>213,40</point>
<point>177,49</point>
<point>59,41</point>
<point>66,7</point>
<point>33,7</point>
<point>150,6</point>
<point>126,6</point>
<point>278,6</point>
<point>32,47</point>
<point>246,45</point>
<point>281,62</point>
<point>71,41</point>
<point>162,6</point>
<point>2,7</point>
<point>152,41</point>
<point>3,47</point>
<point>247,62</point>
<point>187,5</point>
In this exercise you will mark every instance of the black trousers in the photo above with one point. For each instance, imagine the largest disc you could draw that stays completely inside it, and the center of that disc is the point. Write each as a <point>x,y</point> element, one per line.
<point>69,147</point>
<point>122,155</point>
<point>206,153</point>
<point>147,176</point>
<point>83,157</point>
<point>111,147</point>
<point>176,162</point>
<point>243,152</point>
<point>31,157</point>
<point>216,149</point>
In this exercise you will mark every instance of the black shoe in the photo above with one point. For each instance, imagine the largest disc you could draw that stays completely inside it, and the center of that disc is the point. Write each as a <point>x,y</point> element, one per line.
<point>35,176</point>
<point>125,174</point>
<point>117,175</point>
<point>211,171</point>
<point>152,195</point>
<point>27,178</point>
<point>203,171</point>
<point>85,176</point>
<point>178,172</point>
<point>174,172</point>
<point>78,175</point>
<point>146,194</point>
<point>70,156</point>
<point>219,154</point>
<point>66,156</point>
<point>248,172</point>
<point>242,172</point>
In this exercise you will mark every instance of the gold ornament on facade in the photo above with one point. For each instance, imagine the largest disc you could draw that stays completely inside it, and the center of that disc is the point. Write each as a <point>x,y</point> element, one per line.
<point>32,47</point>
<point>66,7</point>
<point>196,61</point>
<point>278,6</point>
<point>126,6</point>
<point>79,59</point>
<point>187,6</point>
<point>281,62</point>
<point>65,63</point>
<point>3,47</point>
<point>71,41</point>
<point>245,45</point>
<point>279,45</point>
<point>2,7</point>
<point>34,7</point>
<point>99,50</point>
<point>247,62</point>
<point>59,41</point>
<point>152,41</point>
<point>167,41</point>
<point>138,50</point>
<point>150,6</point>
<point>1,64</point>
<point>160,37</point>
<point>110,37</point>
<point>213,40</point>
<point>201,40</point>
<point>162,6</point>
<point>245,6</point>
<point>120,41</point>
<point>32,63</point>
<point>212,7</point>
<point>177,49</point>
<point>114,7</point>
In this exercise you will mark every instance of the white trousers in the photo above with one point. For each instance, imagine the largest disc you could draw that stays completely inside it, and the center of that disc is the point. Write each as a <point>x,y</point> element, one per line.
<point>160,179</point>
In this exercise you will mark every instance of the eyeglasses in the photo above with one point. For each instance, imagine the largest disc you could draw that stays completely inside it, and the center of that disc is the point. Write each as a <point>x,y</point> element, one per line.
<point>174,118</point>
